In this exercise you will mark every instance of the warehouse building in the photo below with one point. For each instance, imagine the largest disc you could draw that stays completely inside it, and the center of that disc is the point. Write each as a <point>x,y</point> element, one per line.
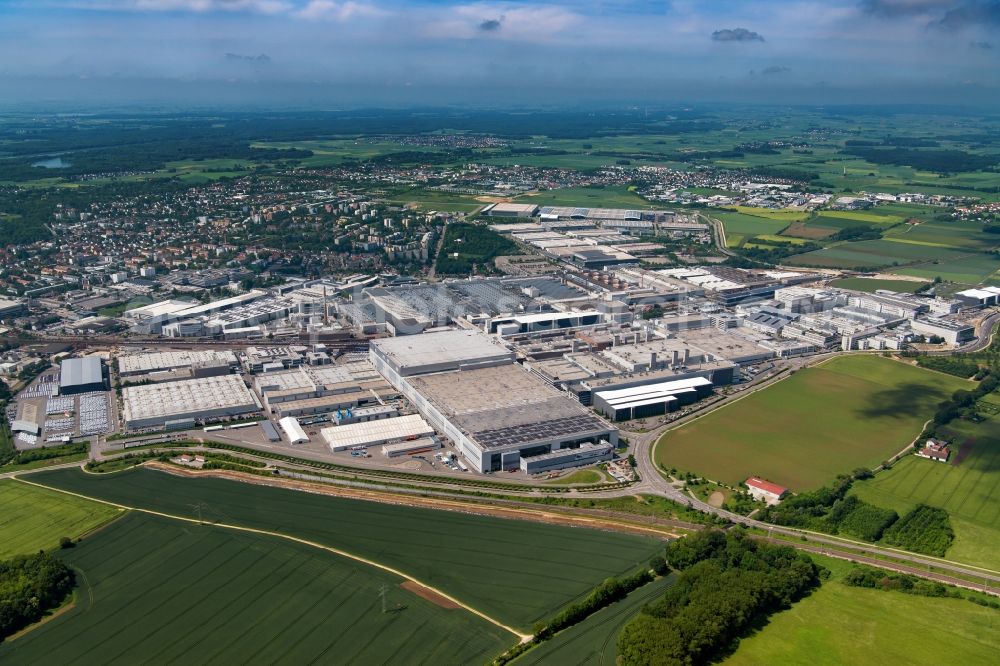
<point>511,210</point>
<point>443,351</point>
<point>148,362</point>
<point>178,404</point>
<point>292,429</point>
<point>978,297</point>
<point>954,333</point>
<point>363,414</point>
<point>270,432</point>
<point>82,375</point>
<point>652,399</point>
<point>586,454</point>
<point>411,447</point>
<point>375,433</point>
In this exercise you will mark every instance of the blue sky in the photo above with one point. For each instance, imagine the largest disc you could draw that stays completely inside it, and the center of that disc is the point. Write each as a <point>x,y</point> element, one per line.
<point>337,53</point>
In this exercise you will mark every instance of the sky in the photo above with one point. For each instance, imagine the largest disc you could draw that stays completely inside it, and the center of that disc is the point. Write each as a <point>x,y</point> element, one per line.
<point>330,54</point>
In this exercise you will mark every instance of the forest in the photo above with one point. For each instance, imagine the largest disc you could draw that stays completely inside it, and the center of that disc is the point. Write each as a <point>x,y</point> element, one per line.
<point>30,585</point>
<point>727,583</point>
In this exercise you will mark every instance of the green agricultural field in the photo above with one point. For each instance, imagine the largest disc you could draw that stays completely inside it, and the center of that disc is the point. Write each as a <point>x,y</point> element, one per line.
<point>957,234</point>
<point>853,411</point>
<point>542,567</point>
<point>33,518</point>
<point>782,215</point>
<point>873,217</point>
<point>916,259</point>
<point>594,642</point>
<point>588,197</point>
<point>741,225</point>
<point>426,199</point>
<point>838,624</point>
<point>969,269</point>
<point>968,488</point>
<point>870,285</point>
<point>156,590</point>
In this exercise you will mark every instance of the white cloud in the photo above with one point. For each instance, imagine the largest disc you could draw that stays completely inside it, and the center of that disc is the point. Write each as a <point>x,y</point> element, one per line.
<point>538,23</point>
<point>338,11</point>
<point>200,6</point>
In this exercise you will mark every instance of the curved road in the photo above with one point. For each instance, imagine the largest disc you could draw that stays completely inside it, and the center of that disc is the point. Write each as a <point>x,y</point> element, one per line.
<point>654,481</point>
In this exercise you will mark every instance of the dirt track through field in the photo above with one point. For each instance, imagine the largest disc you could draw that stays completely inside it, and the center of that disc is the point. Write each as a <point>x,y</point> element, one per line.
<point>336,551</point>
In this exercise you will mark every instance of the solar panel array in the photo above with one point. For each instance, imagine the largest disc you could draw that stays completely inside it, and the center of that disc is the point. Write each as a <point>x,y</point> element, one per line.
<point>543,430</point>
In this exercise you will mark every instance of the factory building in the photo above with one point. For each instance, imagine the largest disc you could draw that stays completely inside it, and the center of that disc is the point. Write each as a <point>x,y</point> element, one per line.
<point>375,433</point>
<point>411,447</point>
<point>142,363</point>
<point>652,399</point>
<point>979,297</point>
<point>152,318</point>
<point>544,321</point>
<point>954,333</point>
<point>183,403</point>
<point>436,352</point>
<point>9,308</point>
<point>363,414</point>
<point>585,454</point>
<point>494,411</point>
<point>321,389</point>
<point>82,375</point>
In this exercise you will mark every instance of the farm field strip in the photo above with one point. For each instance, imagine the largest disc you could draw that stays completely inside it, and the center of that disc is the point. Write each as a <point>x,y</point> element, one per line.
<point>335,551</point>
<point>198,594</point>
<point>447,551</point>
<point>34,518</point>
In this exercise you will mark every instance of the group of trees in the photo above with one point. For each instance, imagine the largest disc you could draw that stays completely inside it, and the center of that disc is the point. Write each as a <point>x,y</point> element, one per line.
<point>727,582</point>
<point>831,510</point>
<point>862,576</point>
<point>29,586</point>
<point>925,529</point>
<point>952,365</point>
<point>963,403</point>
<point>474,245</point>
<point>16,457</point>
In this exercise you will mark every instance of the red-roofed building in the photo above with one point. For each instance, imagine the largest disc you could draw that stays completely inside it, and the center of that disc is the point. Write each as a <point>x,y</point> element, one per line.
<point>765,491</point>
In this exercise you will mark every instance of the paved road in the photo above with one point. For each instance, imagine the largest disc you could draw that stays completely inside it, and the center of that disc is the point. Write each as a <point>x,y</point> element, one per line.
<point>654,482</point>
